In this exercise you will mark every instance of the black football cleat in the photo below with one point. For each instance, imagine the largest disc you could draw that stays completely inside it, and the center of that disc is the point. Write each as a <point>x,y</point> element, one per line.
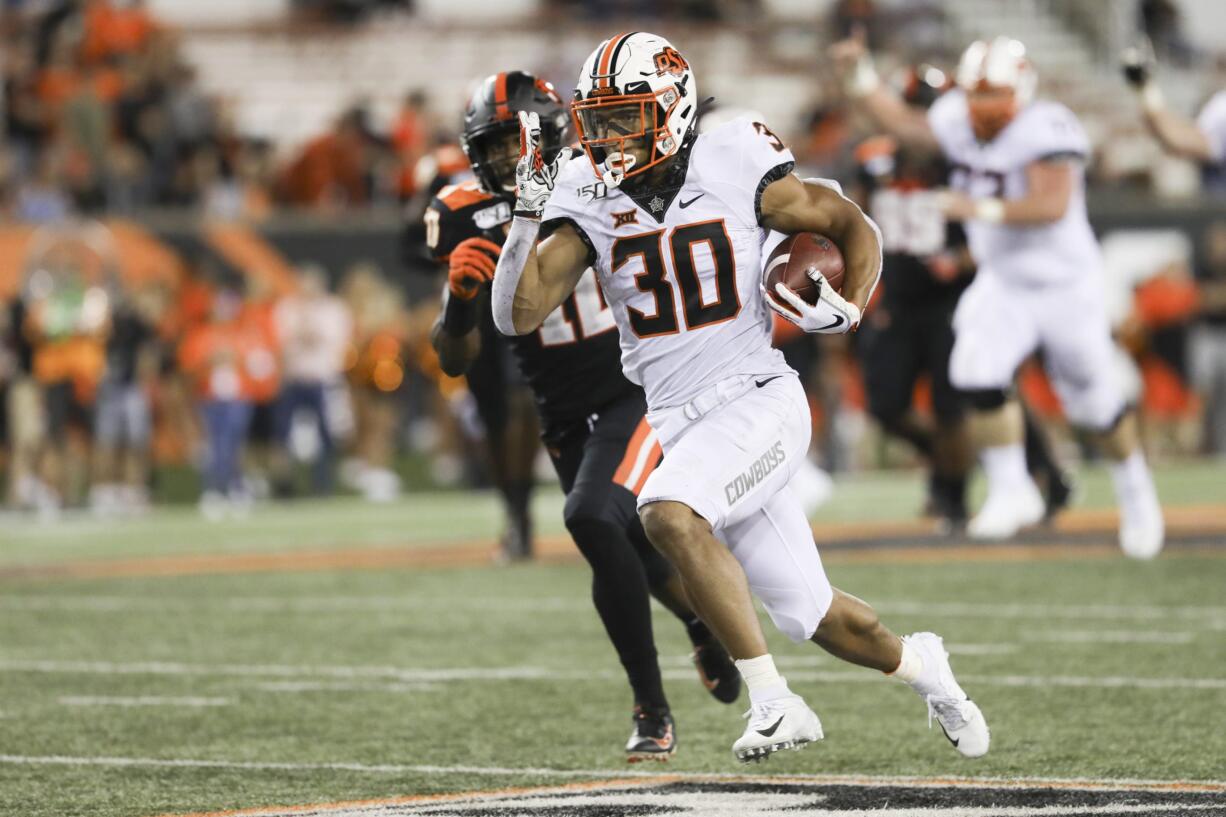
<point>1060,493</point>
<point>653,738</point>
<point>716,671</point>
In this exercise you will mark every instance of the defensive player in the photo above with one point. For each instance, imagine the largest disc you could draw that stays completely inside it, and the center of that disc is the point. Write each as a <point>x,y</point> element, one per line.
<point>672,222</point>
<point>1202,140</point>
<point>591,416</point>
<point>1018,182</point>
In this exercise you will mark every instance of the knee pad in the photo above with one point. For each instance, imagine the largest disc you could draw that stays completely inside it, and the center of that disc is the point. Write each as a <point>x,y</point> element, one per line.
<point>986,399</point>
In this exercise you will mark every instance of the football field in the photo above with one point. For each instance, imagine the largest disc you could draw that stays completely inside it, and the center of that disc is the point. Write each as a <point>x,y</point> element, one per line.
<point>337,652</point>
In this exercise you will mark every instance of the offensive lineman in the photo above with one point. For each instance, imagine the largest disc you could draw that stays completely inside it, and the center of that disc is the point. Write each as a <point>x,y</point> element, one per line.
<point>1017,182</point>
<point>673,222</point>
<point>591,416</point>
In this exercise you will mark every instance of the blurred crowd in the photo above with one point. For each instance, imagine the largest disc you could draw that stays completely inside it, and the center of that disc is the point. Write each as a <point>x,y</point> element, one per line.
<point>102,113</point>
<point>269,387</point>
<point>274,387</point>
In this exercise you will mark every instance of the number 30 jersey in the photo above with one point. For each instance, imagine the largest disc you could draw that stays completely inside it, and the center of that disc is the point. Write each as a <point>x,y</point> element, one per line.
<point>571,362</point>
<point>1043,131</point>
<point>681,266</point>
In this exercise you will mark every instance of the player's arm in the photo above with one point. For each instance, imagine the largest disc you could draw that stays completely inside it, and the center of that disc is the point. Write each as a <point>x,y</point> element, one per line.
<point>1049,187</point>
<point>531,281</point>
<point>790,205</point>
<point>455,336</point>
<point>854,65</point>
<point>1177,133</point>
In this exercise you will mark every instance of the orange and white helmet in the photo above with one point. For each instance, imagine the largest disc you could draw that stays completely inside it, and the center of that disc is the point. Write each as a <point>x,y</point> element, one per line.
<point>999,81</point>
<point>633,88</point>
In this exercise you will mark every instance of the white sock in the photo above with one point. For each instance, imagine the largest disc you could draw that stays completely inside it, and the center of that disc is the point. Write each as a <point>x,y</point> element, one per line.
<point>1005,467</point>
<point>1132,479</point>
<point>910,667</point>
<point>763,680</point>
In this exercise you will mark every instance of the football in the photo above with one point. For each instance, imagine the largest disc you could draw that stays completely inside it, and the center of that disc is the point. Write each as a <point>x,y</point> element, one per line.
<point>791,261</point>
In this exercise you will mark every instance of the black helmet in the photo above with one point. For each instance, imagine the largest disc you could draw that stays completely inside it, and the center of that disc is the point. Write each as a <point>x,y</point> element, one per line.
<point>491,118</point>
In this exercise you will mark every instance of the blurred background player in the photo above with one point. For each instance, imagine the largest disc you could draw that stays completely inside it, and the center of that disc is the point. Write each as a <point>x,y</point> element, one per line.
<point>909,333</point>
<point>1202,140</point>
<point>460,211</point>
<point>1017,182</point>
<point>927,267</point>
<point>592,417</point>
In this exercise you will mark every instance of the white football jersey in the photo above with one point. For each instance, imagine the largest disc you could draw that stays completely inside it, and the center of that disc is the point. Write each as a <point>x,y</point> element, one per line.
<point>1043,130</point>
<point>682,273</point>
<point>1212,123</point>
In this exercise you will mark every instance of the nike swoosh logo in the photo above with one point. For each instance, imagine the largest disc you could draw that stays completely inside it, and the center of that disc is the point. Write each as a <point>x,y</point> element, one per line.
<point>685,204</point>
<point>947,737</point>
<point>761,383</point>
<point>766,733</point>
<point>838,321</point>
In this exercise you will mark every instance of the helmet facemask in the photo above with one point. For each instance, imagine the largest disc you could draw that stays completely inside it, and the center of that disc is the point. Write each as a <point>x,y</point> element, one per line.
<point>626,134</point>
<point>494,153</point>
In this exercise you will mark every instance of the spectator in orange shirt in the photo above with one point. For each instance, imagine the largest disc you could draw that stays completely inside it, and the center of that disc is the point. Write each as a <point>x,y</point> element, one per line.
<point>411,139</point>
<point>223,359</point>
<point>331,170</point>
<point>112,30</point>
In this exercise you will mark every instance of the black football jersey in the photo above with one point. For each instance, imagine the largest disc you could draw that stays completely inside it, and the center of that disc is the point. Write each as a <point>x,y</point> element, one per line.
<point>573,361</point>
<point>915,234</point>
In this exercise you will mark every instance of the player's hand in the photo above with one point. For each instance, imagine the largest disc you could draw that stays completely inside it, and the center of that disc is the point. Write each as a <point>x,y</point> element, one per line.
<point>471,265</point>
<point>534,178</point>
<point>1137,63</point>
<point>831,315</point>
<point>853,64</point>
<point>956,206</point>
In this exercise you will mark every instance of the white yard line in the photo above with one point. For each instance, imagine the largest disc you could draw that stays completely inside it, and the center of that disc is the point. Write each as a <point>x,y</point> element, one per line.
<point>140,700</point>
<point>534,673</point>
<point>1096,784</point>
<point>1108,637</point>
<point>345,686</point>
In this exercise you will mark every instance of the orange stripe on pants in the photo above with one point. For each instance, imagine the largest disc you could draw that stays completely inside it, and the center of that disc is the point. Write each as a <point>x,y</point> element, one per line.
<point>632,453</point>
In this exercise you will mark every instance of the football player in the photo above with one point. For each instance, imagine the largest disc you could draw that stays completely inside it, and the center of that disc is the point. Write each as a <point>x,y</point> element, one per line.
<point>672,222</point>
<point>926,269</point>
<point>591,416</point>
<point>1018,183</point>
<point>1202,140</point>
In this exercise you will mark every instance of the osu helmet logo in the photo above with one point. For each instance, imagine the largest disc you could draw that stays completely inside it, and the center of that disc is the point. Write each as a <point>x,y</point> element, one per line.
<point>669,61</point>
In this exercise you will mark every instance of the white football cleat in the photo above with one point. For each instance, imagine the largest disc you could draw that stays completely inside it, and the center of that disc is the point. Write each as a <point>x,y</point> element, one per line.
<point>1142,529</point>
<point>1004,514</point>
<point>956,714</point>
<point>782,723</point>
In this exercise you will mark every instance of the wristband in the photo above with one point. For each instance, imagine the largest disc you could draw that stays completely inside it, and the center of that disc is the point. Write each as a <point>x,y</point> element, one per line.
<point>1152,99</point>
<point>459,315</point>
<point>528,214</point>
<point>863,79</point>
<point>990,210</point>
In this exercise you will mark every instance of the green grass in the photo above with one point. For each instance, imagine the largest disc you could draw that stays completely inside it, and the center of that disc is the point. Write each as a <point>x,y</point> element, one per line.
<point>358,645</point>
<point>441,517</point>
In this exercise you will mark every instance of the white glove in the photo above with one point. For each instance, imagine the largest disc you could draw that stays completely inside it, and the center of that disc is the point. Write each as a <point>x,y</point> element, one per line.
<point>831,315</point>
<point>534,180</point>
